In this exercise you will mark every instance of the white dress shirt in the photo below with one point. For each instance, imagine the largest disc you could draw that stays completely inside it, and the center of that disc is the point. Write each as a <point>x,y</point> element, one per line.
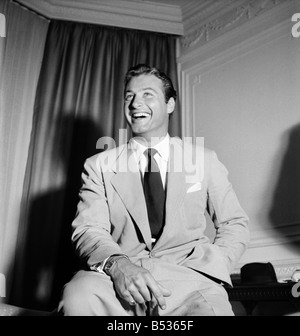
<point>161,157</point>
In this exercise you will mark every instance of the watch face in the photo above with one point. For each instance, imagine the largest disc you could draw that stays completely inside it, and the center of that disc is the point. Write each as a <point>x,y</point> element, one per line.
<point>110,262</point>
<point>109,265</point>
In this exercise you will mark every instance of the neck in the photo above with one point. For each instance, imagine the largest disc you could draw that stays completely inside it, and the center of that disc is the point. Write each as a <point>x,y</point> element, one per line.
<point>149,141</point>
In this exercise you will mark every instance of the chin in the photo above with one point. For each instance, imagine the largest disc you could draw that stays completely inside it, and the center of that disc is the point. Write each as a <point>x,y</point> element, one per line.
<point>139,130</point>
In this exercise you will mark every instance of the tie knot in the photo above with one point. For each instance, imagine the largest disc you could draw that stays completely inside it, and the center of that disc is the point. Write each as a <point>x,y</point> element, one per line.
<point>150,152</point>
<point>152,165</point>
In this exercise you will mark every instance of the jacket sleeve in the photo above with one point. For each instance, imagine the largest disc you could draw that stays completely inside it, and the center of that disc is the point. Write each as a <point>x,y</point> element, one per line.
<point>91,227</point>
<point>231,221</point>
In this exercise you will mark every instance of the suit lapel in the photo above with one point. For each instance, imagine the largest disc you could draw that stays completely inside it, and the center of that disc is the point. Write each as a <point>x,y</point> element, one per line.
<point>127,183</point>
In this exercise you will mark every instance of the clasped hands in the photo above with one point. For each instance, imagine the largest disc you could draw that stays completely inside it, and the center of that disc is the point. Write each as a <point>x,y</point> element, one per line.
<point>135,284</point>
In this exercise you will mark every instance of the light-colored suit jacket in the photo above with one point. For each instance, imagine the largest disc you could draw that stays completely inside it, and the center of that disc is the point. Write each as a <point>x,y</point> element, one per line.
<point>112,214</point>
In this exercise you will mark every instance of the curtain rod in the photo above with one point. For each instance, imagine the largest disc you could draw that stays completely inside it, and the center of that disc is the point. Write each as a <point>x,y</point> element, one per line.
<point>15,2</point>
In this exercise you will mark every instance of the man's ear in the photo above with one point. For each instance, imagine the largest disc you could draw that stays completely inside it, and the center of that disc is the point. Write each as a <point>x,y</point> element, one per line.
<point>171,105</point>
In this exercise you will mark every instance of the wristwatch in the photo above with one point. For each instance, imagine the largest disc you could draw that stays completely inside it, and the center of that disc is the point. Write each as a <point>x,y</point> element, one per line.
<point>105,266</point>
<point>99,266</point>
<point>111,261</point>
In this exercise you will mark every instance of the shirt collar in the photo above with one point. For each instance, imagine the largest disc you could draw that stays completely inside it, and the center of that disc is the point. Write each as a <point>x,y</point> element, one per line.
<point>163,147</point>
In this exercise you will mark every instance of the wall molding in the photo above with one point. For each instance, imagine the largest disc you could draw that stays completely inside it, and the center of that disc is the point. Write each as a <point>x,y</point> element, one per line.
<point>198,12</point>
<point>255,29</point>
<point>194,65</point>
<point>279,235</point>
<point>283,269</point>
<point>197,22</point>
<point>272,239</point>
<point>158,17</point>
<point>201,31</point>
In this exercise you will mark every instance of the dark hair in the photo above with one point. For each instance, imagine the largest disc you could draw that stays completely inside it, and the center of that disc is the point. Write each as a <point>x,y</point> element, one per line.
<point>143,69</point>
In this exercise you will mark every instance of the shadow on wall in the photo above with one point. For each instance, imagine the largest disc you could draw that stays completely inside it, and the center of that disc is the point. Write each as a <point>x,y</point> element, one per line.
<point>285,209</point>
<point>48,253</point>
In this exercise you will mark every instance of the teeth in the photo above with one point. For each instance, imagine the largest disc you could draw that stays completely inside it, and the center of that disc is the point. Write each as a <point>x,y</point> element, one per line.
<point>139,115</point>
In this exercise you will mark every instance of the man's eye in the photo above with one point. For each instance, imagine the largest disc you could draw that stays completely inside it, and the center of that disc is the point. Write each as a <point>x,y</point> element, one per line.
<point>148,94</point>
<point>128,97</point>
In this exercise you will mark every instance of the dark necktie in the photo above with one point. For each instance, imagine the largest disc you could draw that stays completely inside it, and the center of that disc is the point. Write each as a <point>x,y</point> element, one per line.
<point>154,194</point>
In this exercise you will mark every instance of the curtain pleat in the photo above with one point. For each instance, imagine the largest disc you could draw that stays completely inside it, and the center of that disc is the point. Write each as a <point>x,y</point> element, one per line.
<point>21,53</point>
<point>79,100</point>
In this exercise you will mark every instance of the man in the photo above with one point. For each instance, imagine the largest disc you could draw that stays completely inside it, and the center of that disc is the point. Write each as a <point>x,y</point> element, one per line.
<point>148,254</point>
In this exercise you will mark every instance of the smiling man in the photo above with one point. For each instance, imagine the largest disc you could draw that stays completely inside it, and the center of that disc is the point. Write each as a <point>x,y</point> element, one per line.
<point>146,107</point>
<point>140,222</point>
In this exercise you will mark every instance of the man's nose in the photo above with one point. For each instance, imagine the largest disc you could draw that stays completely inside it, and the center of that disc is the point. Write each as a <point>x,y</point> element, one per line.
<point>136,102</point>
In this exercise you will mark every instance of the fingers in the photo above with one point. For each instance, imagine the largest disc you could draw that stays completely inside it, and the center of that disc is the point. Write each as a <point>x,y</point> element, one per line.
<point>128,297</point>
<point>140,295</point>
<point>136,294</point>
<point>158,296</point>
<point>147,290</point>
<point>136,285</point>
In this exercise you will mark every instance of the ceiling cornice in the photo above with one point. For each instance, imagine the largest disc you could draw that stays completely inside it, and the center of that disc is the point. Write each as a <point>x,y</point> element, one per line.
<point>200,12</point>
<point>196,21</point>
<point>200,30</point>
<point>132,14</point>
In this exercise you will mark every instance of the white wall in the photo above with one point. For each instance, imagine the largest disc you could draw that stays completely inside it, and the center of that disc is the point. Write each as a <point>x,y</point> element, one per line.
<point>241,92</point>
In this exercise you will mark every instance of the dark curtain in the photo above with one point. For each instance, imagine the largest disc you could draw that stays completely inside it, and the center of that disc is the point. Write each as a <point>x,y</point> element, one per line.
<point>79,100</point>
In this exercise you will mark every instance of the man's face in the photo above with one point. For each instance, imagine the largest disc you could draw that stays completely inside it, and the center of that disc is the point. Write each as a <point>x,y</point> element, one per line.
<point>145,108</point>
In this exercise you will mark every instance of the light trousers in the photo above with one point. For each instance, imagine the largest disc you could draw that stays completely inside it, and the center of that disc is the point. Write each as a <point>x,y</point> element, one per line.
<point>92,294</point>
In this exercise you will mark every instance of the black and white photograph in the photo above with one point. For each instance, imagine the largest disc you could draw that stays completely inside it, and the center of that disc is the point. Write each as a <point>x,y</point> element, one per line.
<point>150,160</point>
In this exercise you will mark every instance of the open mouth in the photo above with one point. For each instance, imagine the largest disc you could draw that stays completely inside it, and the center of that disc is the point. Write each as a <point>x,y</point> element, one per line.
<point>139,115</point>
